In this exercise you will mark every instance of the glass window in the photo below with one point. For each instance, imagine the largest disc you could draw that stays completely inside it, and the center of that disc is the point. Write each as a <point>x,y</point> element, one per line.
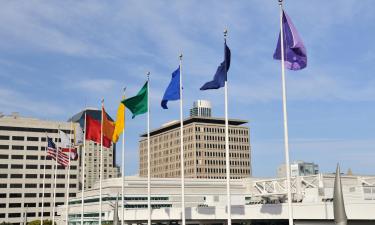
<point>17,147</point>
<point>18,138</point>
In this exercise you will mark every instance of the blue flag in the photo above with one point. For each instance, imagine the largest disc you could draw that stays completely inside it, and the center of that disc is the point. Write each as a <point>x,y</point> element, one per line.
<point>173,90</point>
<point>221,72</point>
<point>295,57</point>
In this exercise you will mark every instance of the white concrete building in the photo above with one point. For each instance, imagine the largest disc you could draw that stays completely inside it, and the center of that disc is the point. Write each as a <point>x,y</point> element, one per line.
<point>299,168</point>
<point>254,201</point>
<point>22,159</point>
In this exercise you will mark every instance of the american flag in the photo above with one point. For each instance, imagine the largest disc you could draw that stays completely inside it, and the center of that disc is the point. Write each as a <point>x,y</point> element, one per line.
<point>62,158</point>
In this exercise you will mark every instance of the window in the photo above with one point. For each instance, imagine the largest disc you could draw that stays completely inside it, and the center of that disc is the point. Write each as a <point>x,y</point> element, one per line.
<point>30,166</point>
<point>3,185</point>
<point>2,205</point>
<point>14,215</point>
<point>72,185</point>
<point>2,215</point>
<point>32,157</point>
<point>17,147</point>
<point>3,175</point>
<point>3,137</point>
<point>2,195</point>
<point>60,185</point>
<point>30,195</point>
<point>3,166</point>
<point>16,176</point>
<point>16,166</point>
<point>3,156</point>
<point>31,186</point>
<point>60,195</point>
<point>15,195</point>
<point>72,194</point>
<point>15,185</point>
<point>60,176</point>
<point>43,139</point>
<point>4,146</point>
<point>18,138</point>
<point>32,138</point>
<point>17,156</point>
<point>32,148</point>
<point>32,176</point>
<point>29,204</point>
<point>15,205</point>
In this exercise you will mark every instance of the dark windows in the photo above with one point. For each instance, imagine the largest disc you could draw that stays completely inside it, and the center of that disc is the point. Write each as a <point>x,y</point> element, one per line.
<point>3,185</point>
<point>16,176</point>
<point>17,147</point>
<point>16,166</point>
<point>15,185</point>
<point>3,166</point>
<point>30,195</point>
<point>32,138</point>
<point>31,185</point>
<point>32,148</point>
<point>15,195</point>
<point>32,176</point>
<point>3,156</point>
<point>14,215</point>
<point>32,157</point>
<point>17,156</point>
<point>60,195</point>
<point>4,146</point>
<point>3,175</point>
<point>30,166</point>
<point>60,185</point>
<point>15,205</point>
<point>3,137</point>
<point>18,138</point>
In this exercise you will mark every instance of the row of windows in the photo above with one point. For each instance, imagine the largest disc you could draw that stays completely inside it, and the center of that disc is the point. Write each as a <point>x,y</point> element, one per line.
<point>33,166</point>
<point>223,170</point>
<point>33,195</point>
<point>27,185</point>
<point>28,214</point>
<point>21,138</point>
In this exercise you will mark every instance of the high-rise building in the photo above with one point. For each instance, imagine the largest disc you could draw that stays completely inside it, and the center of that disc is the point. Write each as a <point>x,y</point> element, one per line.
<point>92,153</point>
<point>204,149</point>
<point>299,168</point>
<point>22,161</point>
<point>201,108</point>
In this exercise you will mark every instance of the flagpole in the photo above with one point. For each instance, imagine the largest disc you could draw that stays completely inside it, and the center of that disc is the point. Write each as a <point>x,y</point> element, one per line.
<point>286,138</point>
<point>182,151</point>
<point>123,170</point>
<point>44,177</point>
<point>148,152</point>
<point>68,172</point>
<point>227,158</point>
<point>83,170</point>
<point>101,166</point>
<point>54,186</point>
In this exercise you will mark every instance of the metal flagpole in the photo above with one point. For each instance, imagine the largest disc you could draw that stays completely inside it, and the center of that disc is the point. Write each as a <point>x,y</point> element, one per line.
<point>44,177</point>
<point>101,166</point>
<point>227,158</point>
<point>123,169</point>
<point>68,172</point>
<point>83,170</point>
<point>286,139</point>
<point>54,186</point>
<point>182,151</point>
<point>148,152</point>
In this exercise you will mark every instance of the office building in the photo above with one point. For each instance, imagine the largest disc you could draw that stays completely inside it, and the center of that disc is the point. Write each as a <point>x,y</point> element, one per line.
<point>201,108</point>
<point>299,168</point>
<point>92,159</point>
<point>22,162</point>
<point>204,149</point>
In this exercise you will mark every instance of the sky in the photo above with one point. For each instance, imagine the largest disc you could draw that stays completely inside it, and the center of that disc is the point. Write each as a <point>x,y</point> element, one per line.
<point>58,57</point>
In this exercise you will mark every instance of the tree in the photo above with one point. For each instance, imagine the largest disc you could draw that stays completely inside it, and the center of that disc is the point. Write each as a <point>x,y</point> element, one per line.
<point>38,222</point>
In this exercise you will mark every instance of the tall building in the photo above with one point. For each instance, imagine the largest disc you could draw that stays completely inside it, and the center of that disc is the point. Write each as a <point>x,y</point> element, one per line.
<point>299,168</point>
<point>92,153</point>
<point>201,108</point>
<point>204,149</point>
<point>22,161</point>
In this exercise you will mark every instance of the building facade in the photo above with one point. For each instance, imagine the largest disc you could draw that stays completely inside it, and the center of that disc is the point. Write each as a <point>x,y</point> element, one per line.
<point>22,162</point>
<point>204,149</point>
<point>92,154</point>
<point>201,108</point>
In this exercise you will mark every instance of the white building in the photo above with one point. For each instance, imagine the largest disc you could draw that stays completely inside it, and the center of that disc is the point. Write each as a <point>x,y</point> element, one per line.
<point>254,200</point>
<point>201,108</point>
<point>22,160</point>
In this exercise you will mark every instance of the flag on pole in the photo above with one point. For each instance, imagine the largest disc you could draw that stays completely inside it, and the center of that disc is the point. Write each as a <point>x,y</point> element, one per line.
<point>295,57</point>
<point>120,122</point>
<point>93,129</point>
<point>173,90</point>
<point>52,151</point>
<point>221,72</point>
<point>66,145</point>
<point>78,135</point>
<point>108,129</point>
<point>138,104</point>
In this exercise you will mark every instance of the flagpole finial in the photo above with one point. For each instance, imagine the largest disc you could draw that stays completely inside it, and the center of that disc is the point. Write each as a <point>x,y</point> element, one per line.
<point>180,56</point>
<point>225,32</point>
<point>148,75</point>
<point>280,2</point>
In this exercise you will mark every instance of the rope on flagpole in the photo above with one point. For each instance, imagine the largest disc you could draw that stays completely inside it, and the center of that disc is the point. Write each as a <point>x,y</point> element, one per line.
<point>285,115</point>
<point>101,165</point>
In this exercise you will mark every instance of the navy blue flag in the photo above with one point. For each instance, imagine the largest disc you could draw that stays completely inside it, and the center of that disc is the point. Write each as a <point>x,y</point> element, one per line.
<point>173,90</point>
<point>295,57</point>
<point>221,72</point>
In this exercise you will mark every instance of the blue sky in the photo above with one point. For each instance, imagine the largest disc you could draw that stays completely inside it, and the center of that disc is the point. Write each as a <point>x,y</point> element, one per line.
<point>57,57</point>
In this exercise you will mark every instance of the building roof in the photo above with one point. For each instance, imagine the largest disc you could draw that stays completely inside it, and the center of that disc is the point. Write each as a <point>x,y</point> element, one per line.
<point>93,112</point>
<point>206,120</point>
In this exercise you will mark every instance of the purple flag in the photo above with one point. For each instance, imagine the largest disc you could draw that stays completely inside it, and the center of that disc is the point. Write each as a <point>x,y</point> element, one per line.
<point>294,51</point>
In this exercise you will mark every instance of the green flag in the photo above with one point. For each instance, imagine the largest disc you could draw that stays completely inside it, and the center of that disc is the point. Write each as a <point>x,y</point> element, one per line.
<point>138,104</point>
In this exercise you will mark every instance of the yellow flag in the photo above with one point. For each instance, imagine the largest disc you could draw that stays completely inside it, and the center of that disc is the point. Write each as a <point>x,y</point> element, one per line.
<point>120,122</point>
